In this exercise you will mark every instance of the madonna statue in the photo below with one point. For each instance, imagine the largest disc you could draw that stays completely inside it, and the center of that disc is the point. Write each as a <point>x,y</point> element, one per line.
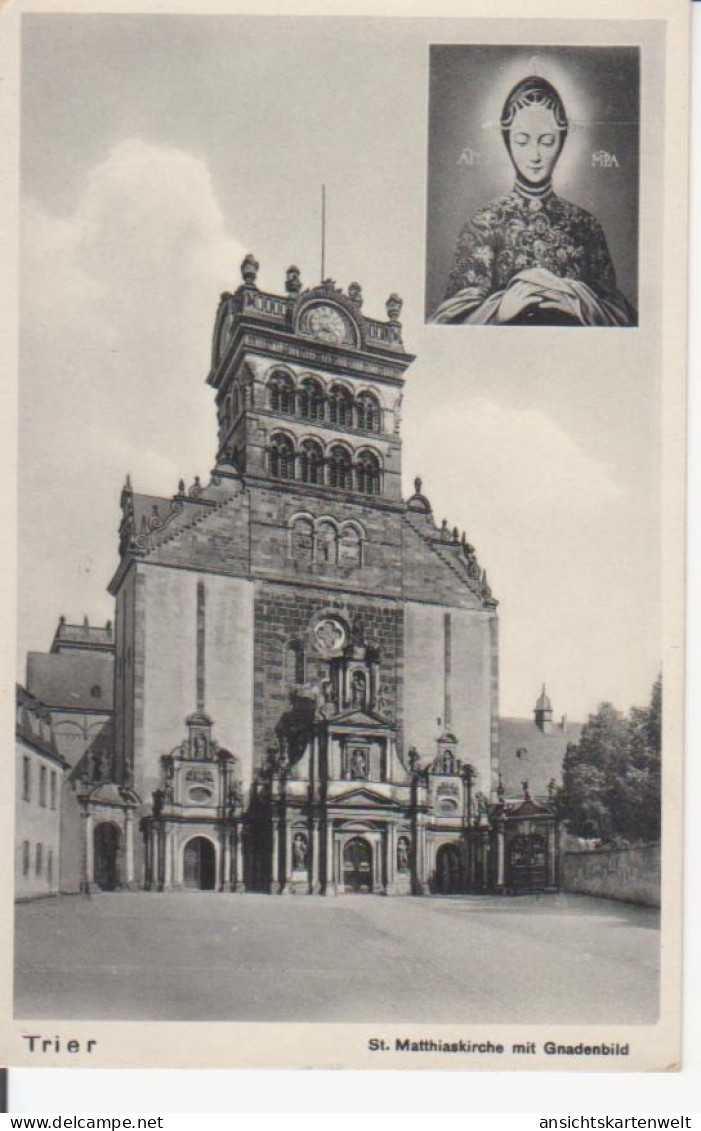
<point>529,257</point>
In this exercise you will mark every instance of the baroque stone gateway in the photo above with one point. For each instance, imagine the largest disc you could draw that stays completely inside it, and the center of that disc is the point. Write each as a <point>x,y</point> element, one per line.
<point>300,690</point>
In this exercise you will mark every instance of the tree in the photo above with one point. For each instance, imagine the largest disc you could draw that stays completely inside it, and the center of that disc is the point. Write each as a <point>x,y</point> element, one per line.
<point>612,777</point>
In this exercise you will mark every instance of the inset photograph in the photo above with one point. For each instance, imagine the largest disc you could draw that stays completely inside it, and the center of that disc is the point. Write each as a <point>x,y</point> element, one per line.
<point>533,186</point>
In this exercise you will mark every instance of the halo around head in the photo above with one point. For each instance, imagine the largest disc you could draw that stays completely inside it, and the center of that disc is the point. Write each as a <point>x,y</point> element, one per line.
<point>534,91</point>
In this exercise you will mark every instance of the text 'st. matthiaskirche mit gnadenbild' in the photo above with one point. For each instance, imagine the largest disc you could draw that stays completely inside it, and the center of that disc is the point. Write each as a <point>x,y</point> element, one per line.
<point>304,665</point>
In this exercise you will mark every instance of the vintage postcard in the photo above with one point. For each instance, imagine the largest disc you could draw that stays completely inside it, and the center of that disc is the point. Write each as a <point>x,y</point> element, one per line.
<point>347,696</point>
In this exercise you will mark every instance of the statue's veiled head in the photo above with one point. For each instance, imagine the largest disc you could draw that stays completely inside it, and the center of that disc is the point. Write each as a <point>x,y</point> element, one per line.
<point>534,127</point>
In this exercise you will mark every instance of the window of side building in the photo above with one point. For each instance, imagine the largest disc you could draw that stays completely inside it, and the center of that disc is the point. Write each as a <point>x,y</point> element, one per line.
<point>25,857</point>
<point>26,779</point>
<point>42,786</point>
<point>53,789</point>
<point>39,859</point>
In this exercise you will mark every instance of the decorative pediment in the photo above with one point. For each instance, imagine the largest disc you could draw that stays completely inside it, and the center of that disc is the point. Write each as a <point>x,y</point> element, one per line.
<point>364,797</point>
<point>362,719</point>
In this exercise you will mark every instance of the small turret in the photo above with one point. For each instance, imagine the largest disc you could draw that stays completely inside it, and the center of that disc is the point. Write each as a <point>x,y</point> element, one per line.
<point>544,712</point>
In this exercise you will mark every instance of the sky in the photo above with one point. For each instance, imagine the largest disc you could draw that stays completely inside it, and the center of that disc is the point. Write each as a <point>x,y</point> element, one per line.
<point>155,152</point>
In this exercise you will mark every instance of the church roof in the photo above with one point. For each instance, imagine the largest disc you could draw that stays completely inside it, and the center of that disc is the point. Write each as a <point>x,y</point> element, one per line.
<point>73,680</point>
<point>438,562</point>
<point>526,753</point>
<point>33,724</point>
<point>152,523</point>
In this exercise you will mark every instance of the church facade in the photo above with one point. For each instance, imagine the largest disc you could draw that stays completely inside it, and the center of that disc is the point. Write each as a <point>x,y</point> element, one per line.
<point>305,663</point>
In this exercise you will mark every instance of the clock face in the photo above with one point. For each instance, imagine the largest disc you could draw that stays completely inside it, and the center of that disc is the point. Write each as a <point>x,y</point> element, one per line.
<point>327,324</point>
<point>224,333</point>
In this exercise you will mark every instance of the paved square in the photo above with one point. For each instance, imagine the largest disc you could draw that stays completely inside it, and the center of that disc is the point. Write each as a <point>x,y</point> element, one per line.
<point>210,957</point>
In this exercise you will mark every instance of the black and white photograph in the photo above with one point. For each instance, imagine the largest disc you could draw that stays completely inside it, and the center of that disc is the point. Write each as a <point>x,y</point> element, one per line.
<point>533,186</point>
<point>347,663</point>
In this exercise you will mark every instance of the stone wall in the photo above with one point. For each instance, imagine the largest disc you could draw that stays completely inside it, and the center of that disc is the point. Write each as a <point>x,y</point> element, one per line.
<point>168,685</point>
<point>629,874</point>
<point>470,683</point>
<point>273,555</point>
<point>283,614</point>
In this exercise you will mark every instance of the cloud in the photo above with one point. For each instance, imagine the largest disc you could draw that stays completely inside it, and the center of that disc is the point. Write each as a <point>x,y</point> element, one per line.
<point>560,541</point>
<point>489,455</point>
<point>117,305</point>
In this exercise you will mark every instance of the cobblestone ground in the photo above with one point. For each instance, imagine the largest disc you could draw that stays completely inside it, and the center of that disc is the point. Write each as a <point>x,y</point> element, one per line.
<point>210,957</point>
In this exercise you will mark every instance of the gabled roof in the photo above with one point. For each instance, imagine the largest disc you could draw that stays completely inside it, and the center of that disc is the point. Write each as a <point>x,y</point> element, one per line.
<point>441,559</point>
<point>162,528</point>
<point>526,753</point>
<point>33,724</point>
<point>74,680</point>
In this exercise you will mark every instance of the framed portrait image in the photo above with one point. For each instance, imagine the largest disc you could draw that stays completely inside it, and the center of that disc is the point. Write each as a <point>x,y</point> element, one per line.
<point>533,186</point>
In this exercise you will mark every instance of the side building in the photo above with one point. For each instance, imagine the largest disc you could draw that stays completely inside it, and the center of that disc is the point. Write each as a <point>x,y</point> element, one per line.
<point>75,681</point>
<point>532,751</point>
<point>39,774</point>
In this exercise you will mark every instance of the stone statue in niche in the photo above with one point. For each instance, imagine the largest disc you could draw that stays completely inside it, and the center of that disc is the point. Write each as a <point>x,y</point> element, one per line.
<point>235,795</point>
<point>414,759</point>
<point>100,766</point>
<point>358,690</point>
<point>359,765</point>
<point>326,705</point>
<point>402,854</point>
<point>299,851</point>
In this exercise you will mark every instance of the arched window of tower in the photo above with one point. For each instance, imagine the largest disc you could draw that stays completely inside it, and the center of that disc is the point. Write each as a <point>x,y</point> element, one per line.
<point>368,412</point>
<point>281,393</point>
<point>350,547</point>
<point>367,474</point>
<point>340,406</point>
<point>311,400</point>
<point>340,467</point>
<point>281,457</point>
<point>326,543</point>
<point>311,466</point>
<point>302,540</point>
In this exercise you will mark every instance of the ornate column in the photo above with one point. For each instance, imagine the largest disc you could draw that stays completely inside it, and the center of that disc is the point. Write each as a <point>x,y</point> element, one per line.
<point>168,861</point>
<point>286,877</point>
<point>147,858</point>
<point>161,835</point>
<point>420,853</point>
<point>500,855</point>
<point>275,869</point>
<point>330,869</point>
<point>129,848</point>
<point>239,857</point>
<point>226,862</point>
<point>314,847</point>
<point>484,837</point>
<point>391,855</point>
<point>155,855</point>
<point>89,853</point>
